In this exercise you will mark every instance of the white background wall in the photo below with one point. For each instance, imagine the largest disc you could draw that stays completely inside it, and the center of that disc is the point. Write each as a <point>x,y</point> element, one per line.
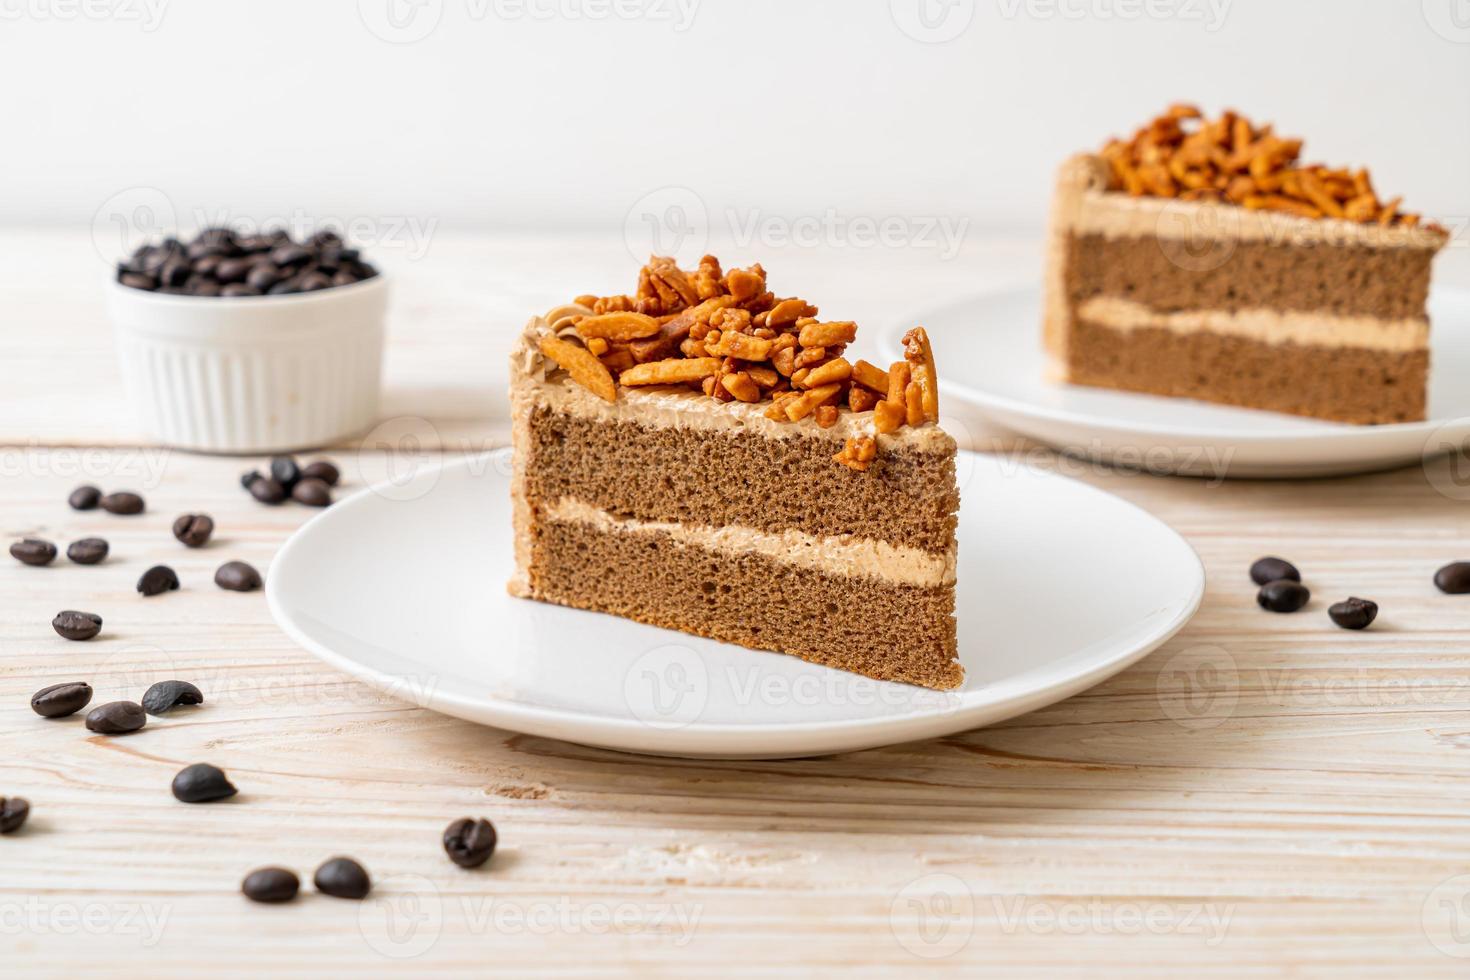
<point>565,113</point>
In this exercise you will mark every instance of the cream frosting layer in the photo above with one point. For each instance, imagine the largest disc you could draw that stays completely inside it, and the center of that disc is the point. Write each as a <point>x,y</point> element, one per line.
<point>848,556</point>
<point>1264,325</point>
<point>1090,209</point>
<point>534,381</point>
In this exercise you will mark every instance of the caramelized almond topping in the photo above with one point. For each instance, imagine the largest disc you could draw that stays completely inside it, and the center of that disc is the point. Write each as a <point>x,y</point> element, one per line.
<point>1183,155</point>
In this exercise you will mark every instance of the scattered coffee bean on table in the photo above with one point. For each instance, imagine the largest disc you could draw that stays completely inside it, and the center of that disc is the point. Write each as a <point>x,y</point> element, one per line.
<point>194,529</point>
<point>342,877</point>
<point>223,262</point>
<point>13,813</point>
<point>271,885</point>
<point>1353,613</point>
<point>1283,596</point>
<point>73,625</point>
<point>164,696</point>
<point>87,551</point>
<point>116,718</point>
<point>123,502</point>
<point>158,580</point>
<point>266,489</point>
<point>249,477</point>
<point>33,551</point>
<point>60,700</point>
<point>285,471</point>
<point>84,498</point>
<point>1272,570</point>
<point>469,843</point>
<point>1454,578</point>
<point>202,783</point>
<point>237,576</point>
<point>312,493</point>
<point>322,470</point>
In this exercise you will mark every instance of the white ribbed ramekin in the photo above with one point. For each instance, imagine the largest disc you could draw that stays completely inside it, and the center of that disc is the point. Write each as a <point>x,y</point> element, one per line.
<point>252,374</point>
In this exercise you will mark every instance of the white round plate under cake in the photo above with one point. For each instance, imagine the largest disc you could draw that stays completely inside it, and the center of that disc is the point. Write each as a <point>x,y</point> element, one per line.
<point>991,360</point>
<point>1060,586</point>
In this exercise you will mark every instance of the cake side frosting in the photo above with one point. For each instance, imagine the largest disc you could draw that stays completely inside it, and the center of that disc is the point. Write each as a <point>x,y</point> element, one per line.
<point>1264,325</point>
<point>844,555</point>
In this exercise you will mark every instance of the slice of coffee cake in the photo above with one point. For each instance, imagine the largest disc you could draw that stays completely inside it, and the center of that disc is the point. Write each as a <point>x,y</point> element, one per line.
<point>701,456</point>
<point>1200,260</point>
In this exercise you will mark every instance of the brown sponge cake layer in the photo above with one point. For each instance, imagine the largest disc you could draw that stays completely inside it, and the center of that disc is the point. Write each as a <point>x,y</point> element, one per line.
<point>1342,280</point>
<point>675,475</point>
<point>1345,384</point>
<point>883,630</point>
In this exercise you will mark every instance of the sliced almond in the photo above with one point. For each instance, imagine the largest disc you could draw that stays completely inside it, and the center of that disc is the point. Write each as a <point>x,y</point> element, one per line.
<point>582,365</point>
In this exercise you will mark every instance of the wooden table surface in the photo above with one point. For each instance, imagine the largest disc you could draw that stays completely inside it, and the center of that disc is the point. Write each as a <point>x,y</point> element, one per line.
<point>1265,795</point>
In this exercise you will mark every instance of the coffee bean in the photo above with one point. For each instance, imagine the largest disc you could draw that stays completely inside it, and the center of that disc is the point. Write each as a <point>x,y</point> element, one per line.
<point>249,477</point>
<point>263,276</point>
<point>138,280</point>
<point>164,696</point>
<point>285,471</point>
<point>233,270</point>
<point>290,254</point>
<point>267,490</point>
<point>122,502</point>
<point>1283,596</point>
<point>230,265</point>
<point>158,580</point>
<point>1354,613</point>
<point>116,718</point>
<point>13,813</point>
<point>271,885</point>
<point>174,272</point>
<point>87,551</point>
<point>194,529</point>
<point>73,625</point>
<point>84,498</point>
<point>312,493</point>
<point>469,843</point>
<point>237,576</point>
<point>202,783</point>
<point>1273,570</point>
<point>342,878</point>
<point>1454,578</point>
<point>321,470</point>
<point>33,551</point>
<point>60,700</point>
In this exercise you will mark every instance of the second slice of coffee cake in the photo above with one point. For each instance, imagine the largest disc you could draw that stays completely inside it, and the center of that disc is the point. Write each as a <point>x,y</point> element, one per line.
<point>701,456</point>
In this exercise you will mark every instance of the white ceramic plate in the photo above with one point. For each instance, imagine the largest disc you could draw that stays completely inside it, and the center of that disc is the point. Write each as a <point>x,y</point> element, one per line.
<point>991,357</point>
<point>403,586</point>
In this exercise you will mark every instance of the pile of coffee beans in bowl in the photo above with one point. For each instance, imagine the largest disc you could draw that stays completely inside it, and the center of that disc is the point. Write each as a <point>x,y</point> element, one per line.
<point>222,262</point>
